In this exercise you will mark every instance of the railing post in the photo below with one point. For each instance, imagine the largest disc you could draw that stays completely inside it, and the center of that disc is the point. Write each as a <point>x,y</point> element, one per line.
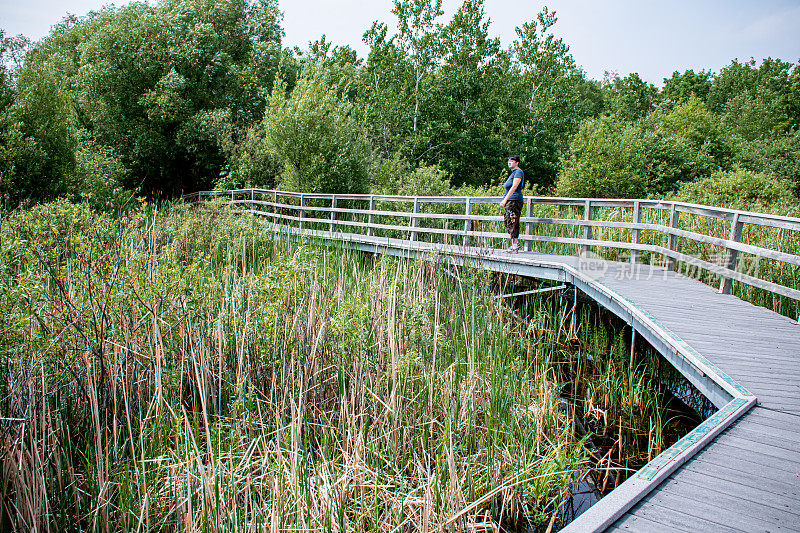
<point>637,219</point>
<point>731,256</point>
<point>587,230</point>
<point>252,197</point>
<point>529,226</point>
<point>302,210</point>
<point>371,220</point>
<point>672,239</point>
<point>414,219</point>
<point>467,221</point>
<point>333,213</point>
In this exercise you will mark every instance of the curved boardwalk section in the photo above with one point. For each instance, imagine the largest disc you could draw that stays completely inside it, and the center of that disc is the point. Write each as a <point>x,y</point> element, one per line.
<point>748,478</point>
<point>740,469</point>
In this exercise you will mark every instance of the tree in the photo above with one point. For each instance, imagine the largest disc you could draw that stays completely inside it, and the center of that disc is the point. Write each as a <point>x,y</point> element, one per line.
<point>543,108</point>
<point>418,36</point>
<point>314,137</point>
<point>37,138</point>
<point>681,87</point>
<point>611,157</point>
<point>629,98</point>
<point>699,136</point>
<point>383,91</point>
<point>163,86</point>
<point>464,127</point>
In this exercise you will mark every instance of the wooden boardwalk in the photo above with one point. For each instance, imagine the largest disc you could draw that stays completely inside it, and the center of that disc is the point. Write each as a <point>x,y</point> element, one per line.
<point>739,470</point>
<point>748,478</point>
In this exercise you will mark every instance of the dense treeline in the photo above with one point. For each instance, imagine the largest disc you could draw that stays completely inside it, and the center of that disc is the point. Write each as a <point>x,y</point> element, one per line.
<point>189,94</point>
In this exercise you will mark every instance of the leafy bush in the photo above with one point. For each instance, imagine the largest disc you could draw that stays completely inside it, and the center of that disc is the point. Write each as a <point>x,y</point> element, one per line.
<point>778,155</point>
<point>315,139</point>
<point>395,176</point>
<point>37,139</point>
<point>249,163</point>
<point>738,188</point>
<point>612,159</point>
<point>699,136</point>
<point>100,175</point>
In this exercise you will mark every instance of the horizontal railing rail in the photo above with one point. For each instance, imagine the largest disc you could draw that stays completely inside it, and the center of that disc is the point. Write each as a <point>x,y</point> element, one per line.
<point>305,209</point>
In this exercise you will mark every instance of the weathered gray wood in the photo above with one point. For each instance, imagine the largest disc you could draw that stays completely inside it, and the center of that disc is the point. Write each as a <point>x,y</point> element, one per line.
<point>672,239</point>
<point>770,503</point>
<point>715,506</point>
<point>637,218</point>
<point>529,225</point>
<point>302,210</point>
<point>638,523</point>
<point>669,253</point>
<point>789,478</point>
<point>763,437</point>
<point>333,212</point>
<point>779,289</point>
<point>587,230</point>
<point>759,416</point>
<point>371,219</point>
<point>748,217</point>
<point>735,475</point>
<point>731,255</point>
<point>681,521</point>
<point>413,236</point>
<point>467,221</point>
<point>731,456</point>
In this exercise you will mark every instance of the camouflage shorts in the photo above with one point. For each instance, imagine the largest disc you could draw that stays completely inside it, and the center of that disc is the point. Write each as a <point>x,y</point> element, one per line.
<point>511,218</point>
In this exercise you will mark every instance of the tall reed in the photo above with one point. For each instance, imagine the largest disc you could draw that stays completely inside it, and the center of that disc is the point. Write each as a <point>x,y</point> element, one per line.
<point>189,370</point>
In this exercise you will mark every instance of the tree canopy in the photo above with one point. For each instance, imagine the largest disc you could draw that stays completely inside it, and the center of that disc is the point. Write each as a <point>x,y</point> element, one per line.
<point>188,94</point>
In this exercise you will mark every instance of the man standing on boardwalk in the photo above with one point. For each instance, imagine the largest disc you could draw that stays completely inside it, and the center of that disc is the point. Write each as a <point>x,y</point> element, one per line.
<point>512,201</point>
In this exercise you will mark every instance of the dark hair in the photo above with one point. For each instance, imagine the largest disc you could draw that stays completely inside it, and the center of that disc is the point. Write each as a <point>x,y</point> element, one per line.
<point>513,158</point>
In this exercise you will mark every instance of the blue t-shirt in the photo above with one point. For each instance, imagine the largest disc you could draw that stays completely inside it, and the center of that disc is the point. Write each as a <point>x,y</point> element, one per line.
<point>516,173</point>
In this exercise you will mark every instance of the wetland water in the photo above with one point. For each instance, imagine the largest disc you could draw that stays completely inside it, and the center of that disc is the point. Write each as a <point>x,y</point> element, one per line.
<point>624,398</point>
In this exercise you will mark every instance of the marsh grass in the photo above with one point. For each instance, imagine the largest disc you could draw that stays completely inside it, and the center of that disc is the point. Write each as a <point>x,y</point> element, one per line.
<point>191,370</point>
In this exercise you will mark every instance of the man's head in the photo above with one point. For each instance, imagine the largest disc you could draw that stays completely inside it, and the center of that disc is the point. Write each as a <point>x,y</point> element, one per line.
<point>513,161</point>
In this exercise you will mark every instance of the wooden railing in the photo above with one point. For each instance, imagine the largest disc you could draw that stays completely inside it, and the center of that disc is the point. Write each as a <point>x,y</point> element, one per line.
<point>419,217</point>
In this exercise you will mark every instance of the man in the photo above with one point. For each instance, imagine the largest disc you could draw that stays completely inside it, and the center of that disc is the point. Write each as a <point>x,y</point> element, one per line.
<point>512,201</point>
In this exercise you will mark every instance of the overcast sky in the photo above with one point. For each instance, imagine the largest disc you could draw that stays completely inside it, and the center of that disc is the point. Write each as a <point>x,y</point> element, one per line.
<point>622,36</point>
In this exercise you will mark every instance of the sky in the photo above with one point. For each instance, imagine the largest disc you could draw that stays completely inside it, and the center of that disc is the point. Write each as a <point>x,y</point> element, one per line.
<point>651,38</point>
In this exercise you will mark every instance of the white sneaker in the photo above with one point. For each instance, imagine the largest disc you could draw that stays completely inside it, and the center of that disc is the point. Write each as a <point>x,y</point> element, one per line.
<point>514,248</point>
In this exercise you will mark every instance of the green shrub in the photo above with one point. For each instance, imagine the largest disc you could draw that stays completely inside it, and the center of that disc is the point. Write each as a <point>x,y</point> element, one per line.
<point>738,188</point>
<point>395,176</point>
<point>652,156</point>
<point>100,175</point>
<point>610,158</point>
<point>315,138</point>
<point>778,155</point>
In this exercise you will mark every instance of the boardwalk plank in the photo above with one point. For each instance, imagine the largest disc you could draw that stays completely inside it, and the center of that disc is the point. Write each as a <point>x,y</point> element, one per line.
<point>760,414</point>
<point>790,477</point>
<point>778,488</point>
<point>716,506</point>
<point>655,511</point>
<point>638,523</point>
<point>786,508</point>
